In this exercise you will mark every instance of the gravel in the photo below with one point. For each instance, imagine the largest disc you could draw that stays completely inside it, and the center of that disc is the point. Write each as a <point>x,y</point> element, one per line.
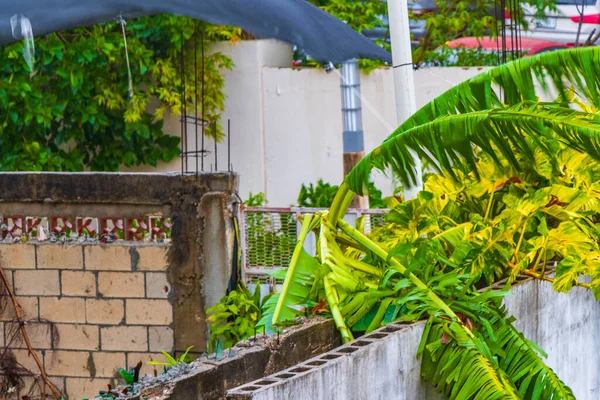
<point>148,381</point>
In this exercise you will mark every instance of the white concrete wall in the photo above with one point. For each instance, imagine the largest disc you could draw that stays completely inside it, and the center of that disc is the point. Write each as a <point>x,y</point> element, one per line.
<point>303,122</point>
<point>566,326</point>
<point>287,123</point>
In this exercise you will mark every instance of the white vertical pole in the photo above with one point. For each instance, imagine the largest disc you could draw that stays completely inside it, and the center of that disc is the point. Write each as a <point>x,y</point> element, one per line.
<point>403,76</point>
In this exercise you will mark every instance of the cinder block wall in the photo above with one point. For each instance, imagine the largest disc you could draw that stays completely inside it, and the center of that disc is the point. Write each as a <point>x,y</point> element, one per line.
<point>92,308</point>
<point>382,365</point>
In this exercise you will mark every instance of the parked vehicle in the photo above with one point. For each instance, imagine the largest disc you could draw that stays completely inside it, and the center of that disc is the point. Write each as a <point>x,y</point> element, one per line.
<point>562,25</point>
<point>472,51</point>
<point>528,46</point>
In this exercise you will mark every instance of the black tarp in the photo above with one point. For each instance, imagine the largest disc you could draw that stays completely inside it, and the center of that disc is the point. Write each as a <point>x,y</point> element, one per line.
<point>323,37</point>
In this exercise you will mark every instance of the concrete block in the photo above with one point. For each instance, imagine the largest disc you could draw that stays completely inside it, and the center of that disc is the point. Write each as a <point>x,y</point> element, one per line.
<point>161,339</point>
<point>121,284</point>
<point>105,312</point>
<point>107,258</point>
<point>78,337</point>
<point>26,360</point>
<point>36,283</point>
<point>148,312</point>
<point>157,286</point>
<point>40,335</point>
<point>78,283</point>
<point>81,388</point>
<point>68,363</point>
<point>107,364</point>
<point>152,258</point>
<point>59,256</point>
<point>62,309</point>
<point>17,256</point>
<point>29,309</point>
<point>124,338</point>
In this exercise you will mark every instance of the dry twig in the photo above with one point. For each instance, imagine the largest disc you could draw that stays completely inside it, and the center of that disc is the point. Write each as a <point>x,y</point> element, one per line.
<point>55,392</point>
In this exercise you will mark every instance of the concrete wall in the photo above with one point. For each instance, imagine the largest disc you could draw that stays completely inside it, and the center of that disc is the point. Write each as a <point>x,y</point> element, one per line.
<point>303,123</point>
<point>249,360</point>
<point>287,123</point>
<point>93,307</point>
<point>244,106</point>
<point>383,365</point>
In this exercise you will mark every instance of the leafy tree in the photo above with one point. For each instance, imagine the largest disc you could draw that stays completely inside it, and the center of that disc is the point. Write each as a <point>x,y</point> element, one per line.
<point>516,189</point>
<point>453,19</point>
<point>450,20</point>
<point>74,111</point>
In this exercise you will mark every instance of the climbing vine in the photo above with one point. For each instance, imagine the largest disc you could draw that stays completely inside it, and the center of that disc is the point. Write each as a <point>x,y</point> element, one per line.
<point>74,111</point>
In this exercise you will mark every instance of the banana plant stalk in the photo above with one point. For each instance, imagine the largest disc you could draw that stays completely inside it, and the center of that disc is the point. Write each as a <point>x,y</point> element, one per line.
<point>379,252</point>
<point>333,301</point>
<point>306,228</point>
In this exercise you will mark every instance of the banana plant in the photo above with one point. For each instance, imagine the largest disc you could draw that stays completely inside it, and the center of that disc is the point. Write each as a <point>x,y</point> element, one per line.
<point>517,187</point>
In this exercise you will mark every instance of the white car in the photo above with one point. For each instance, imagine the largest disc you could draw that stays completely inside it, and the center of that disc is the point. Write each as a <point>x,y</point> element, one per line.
<point>561,25</point>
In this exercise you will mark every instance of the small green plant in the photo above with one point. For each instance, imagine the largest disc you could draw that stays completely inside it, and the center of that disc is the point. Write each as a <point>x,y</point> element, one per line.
<point>321,195</point>
<point>171,361</point>
<point>132,375</point>
<point>255,200</point>
<point>234,318</point>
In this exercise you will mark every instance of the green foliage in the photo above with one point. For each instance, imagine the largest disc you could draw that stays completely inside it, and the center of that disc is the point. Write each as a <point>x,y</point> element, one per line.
<point>455,19</point>
<point>255,200</point>
<point>360,15</point>
<point>444,56</point>
<point>270,238</point>
<point>450,20</point>
<point>517,189</point>
<point>296,292</point>
<point>184,358</point>
<point>73,111</point>
<point>234,318</point>
<point>473,114</point>
<point>132,375</point>
<point>508,222</point>
<point>321,195</point>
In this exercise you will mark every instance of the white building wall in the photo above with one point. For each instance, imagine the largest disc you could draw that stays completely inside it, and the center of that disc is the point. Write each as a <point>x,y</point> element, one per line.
<point>286,123</point>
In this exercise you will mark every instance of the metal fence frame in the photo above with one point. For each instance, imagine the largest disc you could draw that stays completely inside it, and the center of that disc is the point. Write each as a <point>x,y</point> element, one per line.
<point>260,273</point>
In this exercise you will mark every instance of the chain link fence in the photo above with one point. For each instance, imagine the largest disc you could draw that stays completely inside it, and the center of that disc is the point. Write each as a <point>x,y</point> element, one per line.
<point>270,235</point>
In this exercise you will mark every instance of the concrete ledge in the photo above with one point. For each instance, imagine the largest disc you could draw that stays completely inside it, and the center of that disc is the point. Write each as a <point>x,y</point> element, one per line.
<point>109,188</point>
<point>251,360</point>
<point>373,366</point>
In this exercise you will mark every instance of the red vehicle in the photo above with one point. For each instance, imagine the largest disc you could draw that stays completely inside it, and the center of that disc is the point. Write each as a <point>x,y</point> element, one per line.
<point>528,45</point>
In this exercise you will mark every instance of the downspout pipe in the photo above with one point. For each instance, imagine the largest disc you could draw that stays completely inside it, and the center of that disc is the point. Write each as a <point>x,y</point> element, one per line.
<point>353,135</point>
<point>354,141</point>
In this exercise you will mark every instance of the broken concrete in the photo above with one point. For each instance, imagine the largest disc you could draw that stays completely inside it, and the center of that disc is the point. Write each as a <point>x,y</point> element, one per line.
<point>250,360</point>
